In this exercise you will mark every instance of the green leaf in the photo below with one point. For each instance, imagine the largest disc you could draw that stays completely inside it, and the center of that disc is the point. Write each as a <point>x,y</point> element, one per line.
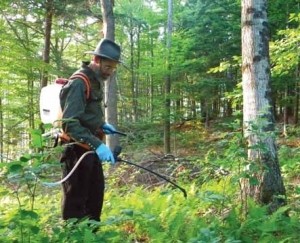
<point>35,229</point>
<point>253,181</point>
<point>25,158</point>
<point>128,212</point>
<point>37,140</point>
<point>15,168</point>
<point>29,214</point>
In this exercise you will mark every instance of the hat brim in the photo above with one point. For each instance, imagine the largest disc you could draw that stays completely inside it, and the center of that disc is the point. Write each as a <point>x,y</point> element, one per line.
<point>96,54</point>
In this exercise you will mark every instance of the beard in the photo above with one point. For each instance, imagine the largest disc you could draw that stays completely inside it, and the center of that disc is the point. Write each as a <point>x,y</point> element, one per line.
<point>97,69</point>
<point>100,74</point>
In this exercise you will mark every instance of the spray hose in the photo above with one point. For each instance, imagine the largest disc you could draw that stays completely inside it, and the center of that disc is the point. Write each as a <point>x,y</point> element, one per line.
<point>70,173</point>
<point>116,153</point>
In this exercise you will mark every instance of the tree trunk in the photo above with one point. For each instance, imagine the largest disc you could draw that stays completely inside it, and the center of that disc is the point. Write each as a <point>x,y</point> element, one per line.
<point>296,109</point>
<point>132,72</point>
<point>285,112</point>
<point>167,126</point>
<point>111,84</point>
<point>31,102</point>
<point>47,41</point>
<point>1,131</point>
<point>137,76</point>
<point>151,85</point>
<point>266,185</point>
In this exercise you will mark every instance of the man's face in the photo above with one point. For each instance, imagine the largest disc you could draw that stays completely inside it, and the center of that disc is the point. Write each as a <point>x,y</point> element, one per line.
<point>107,68</point>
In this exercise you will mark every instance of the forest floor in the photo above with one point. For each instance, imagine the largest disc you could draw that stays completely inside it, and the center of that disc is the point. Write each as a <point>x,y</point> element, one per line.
<point>191,143</point>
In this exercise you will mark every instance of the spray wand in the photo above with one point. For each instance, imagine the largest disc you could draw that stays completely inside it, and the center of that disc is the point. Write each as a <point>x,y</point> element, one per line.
<point>118,150</point>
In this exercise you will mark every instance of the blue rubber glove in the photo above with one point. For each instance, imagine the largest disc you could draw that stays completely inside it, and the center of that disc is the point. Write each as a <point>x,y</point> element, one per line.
<point>108,128</point>
<point>105,154</point>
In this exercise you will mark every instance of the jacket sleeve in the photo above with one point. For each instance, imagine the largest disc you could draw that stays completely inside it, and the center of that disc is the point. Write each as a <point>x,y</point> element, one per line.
<point>73,103</point>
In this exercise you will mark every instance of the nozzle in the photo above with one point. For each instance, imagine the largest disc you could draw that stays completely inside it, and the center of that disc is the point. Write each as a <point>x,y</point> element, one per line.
<point>120,133</point>
<point>117,152</point>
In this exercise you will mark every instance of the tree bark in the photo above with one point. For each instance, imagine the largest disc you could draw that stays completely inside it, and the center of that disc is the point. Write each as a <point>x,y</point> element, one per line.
<point>134,90</point>
<point>47,40</point>
<point>167,126</point>
<point>1,132</point>
<point>266,186</point>
<point>296,109</point>
<point>111,84</point>
<point>151,83</point>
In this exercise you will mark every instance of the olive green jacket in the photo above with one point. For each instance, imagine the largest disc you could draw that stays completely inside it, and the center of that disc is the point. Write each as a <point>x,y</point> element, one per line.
<point>82,117</point>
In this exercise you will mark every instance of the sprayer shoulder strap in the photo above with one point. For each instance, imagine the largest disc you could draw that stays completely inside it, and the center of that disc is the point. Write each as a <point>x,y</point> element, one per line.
<point>86,80</point>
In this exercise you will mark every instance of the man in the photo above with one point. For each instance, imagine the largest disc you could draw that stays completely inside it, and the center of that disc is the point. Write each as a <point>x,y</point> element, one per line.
<point>83,122</point>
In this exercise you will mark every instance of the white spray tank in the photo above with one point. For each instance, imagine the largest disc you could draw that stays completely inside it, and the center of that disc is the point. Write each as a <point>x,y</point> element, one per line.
<point>50,109</point>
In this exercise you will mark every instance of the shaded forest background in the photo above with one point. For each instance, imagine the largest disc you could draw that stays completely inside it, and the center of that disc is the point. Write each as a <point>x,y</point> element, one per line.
<point>205,60</point>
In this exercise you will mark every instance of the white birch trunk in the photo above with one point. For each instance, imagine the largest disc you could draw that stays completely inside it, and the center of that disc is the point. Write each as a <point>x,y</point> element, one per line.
<point>257,104</point>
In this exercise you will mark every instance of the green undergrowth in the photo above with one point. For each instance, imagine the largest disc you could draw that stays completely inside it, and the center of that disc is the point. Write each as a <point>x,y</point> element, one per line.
<point>135,211</point>
<point>210,213</point>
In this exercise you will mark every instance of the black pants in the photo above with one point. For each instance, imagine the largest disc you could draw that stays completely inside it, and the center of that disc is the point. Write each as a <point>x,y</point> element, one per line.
<point>83,192</point>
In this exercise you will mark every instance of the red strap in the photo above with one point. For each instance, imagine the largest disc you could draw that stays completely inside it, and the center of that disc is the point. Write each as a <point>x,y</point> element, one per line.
<point>86,81</point>
<point>61,81</point>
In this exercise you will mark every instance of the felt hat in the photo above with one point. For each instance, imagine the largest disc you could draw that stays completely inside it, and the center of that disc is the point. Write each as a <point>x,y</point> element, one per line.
<point>108,49</point>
